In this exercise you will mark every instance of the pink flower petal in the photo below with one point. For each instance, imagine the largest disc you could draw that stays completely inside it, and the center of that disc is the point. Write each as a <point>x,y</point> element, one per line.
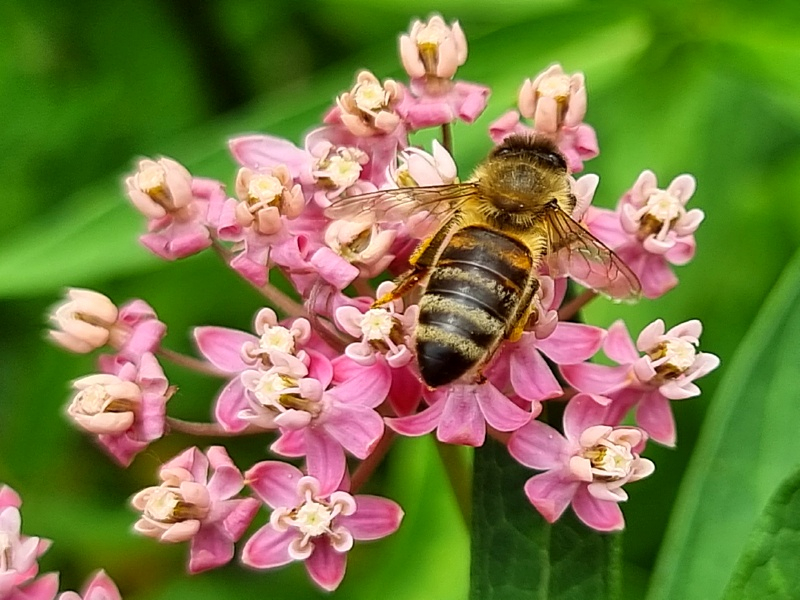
<point>619,345</point>
<point>8,497</point>
<point>462,421</point>
<point>326,566</point>
<point>597,514</point>
<point>325,459</point>
<point>595,379</point>
<point>500,412</point>
<point>654,415</point>
<point>405,392</point>
<point>374,518</point>
<point>267,548</point>
<point>356,428</point>
<point>538,446</point>
<point>419,424</point>
<point>44,588</point>
<point>290,443</point>
<point>572,343</point>
<point>275,483</point>
<point>581,413</point>
<point>550,493</point>
<point>209,549</point>
<point>265,151</point>
<point>530,376</point>
<point>101,587</point>
<point>239,519</point>
<point>225,483</point>
<point>656,277</point>
<point>369,387</point>
<point>622,401</point>
<point>230,402</point>
<point>223,347</point>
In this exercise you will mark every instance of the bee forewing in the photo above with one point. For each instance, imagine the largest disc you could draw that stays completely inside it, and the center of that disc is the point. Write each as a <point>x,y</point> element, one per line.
<point>576,253</point>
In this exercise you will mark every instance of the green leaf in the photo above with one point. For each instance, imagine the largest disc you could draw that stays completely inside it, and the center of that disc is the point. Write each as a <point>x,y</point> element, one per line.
<point>516,554</point>
<point>768,566</point>
<point>747,446</point>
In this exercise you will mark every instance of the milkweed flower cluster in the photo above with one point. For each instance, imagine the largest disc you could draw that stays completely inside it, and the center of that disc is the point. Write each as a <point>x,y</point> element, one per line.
<point>331,382</point>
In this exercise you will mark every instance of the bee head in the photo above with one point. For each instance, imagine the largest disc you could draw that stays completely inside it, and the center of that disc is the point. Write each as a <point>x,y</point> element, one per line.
<point>537,149</point>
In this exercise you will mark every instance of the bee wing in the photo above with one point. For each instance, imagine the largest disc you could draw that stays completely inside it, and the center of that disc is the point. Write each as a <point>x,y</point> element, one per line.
<point>575,252</point>
<point>396,206</point>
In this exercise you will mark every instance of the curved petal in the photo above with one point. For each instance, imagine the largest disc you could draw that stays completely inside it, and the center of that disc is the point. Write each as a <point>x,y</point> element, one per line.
<point>405,392</point>
<point>538,446</point>
<point>420,423</point>
<point>230,402</point>
<point>290,443</point>
<point>595,379</point>
<point>500,412</point>
<point>209,549</point>
<point>326,566</point>
<point>356,428</point>
<point>374,518</point>
<point>101,587</point>
<point>654,415</point>
<point>572,343</point>
<point>601,515</point>
<point>582,412</point>
<point>268,548</point>
<point>223,346</point>
<point>368,388</point>
<point>275,483</point>
<point>550,493</point>
<point>619,346</point>
<point>325,460</point>
<point>656,277</point>
<point>462,421</point>
<point>240,516</point>
<point>530,376</point>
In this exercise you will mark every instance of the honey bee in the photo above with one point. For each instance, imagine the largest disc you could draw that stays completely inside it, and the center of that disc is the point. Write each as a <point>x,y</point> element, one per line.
<point>481,267</point>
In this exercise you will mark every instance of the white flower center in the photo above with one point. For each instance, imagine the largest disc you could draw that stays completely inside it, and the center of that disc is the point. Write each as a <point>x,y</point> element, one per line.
<point>556,86</point>
<point>610,461</point>
<point>664,207</point>
<point>432,33</point>
<point>377,324</point>
<point>277,338</point>
<point>370,96</point>
<point>92,400</point>
<point>270,387</point>
<point>342,172</point>
<point>265,188</point>
<point>162,505</point>
<point>151,178</point>
<point>313,519</point>
<point>680,353</point>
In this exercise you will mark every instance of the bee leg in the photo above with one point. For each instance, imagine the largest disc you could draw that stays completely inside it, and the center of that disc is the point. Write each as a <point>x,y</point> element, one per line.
<point>524,311</point>
<point>408,281</point>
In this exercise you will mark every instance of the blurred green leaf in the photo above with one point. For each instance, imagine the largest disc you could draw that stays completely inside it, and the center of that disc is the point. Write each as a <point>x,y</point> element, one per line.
<point>768,565</point>
<point>516,554</point>
<point>747,446</point>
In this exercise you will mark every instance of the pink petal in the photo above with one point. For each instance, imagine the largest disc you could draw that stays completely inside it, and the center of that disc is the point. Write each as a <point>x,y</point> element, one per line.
<point>230,402</point>
<point>656,277</point>
<point>619,345</point>
<point>595,379</point>
<point>239,519</point>
<point>325,459</point>
<point>209,549</point>
<point>267,548</point>
<point>538,446</point>
<point>621,402</point>
<point>290,443</point>
<point>572,343</point>
<point>581,413</point>
<point>326,566</point>
<point>419,424</point>
<point>530,376</point>
<point>374,518</point>
<point>356,428</point>
<point>265,151</point>
<point>101,587</point>
<point>605,225</point>
<point>462,421</point>
<point>682,252</point>
<point>550,493</point>
<point>275,483</point>
<point>500,412</point>
<point>597,514</point>
<point>44,588</point>
<point>223,347</point>
<point>405,392</point>
<point>8,497</point>
<point>369,387</point>
<point>654,415</point>
<point>225,483</point>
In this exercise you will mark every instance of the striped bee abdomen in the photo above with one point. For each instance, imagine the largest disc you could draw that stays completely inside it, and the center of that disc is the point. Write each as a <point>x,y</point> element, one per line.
<point>472,295</point>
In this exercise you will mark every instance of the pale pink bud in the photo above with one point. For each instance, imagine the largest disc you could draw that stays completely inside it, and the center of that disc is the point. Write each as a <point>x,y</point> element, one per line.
<point>364,245</point>
<point>419,168</point>
<point>159,187</point>
<point>368,108</point>
<point>84,322</point>
<point>553,99</point>
<point>266,197</point>
<point>104,404</point>
<point>433,48</point>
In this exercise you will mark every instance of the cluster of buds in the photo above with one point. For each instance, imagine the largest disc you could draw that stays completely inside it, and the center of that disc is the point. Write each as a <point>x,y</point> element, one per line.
<point>337,379</point>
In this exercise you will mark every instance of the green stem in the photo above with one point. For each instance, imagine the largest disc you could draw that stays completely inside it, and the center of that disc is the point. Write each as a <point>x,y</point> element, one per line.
<point>190,362</point>
<point>447,137</point>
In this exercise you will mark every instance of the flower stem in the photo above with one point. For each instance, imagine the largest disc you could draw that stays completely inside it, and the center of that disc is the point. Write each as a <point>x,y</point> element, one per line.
<point>459,476</point>
<point>369,464</point>
<point>565,313</point>
<point>190,362</point>
<point>207,429</point>
<point>280,300</point>
<point>447,138</point>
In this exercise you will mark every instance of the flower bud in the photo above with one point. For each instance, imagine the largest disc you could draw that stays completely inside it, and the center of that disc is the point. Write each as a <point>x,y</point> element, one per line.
<point>84,322</point>
<point>368,108</point>
<point>553,99</point>
<point>266,197</point>
<point>159,187</point>
<point>433,49</point>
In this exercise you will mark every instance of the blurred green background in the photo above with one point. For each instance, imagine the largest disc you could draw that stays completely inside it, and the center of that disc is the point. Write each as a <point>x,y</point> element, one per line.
<point>708,87</point>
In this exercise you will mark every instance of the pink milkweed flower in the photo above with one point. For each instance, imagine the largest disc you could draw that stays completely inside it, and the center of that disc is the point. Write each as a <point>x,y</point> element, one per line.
<point>18,557</point>
<point>553,100</point>
<point>337,170</point>
<point>125,406</point>
<point>585,467</point>
<point>459,412</point>
<point>88,320</point>
<point>368,109</point>
<point>197,505</point>
<point>100,587</point>
<point>651,229</point>
<point>265,197</point>
<point>666,371</point>
<point>363,245</point>
<point>234,352</point>
<point>176,206</point>
<point>419,168</point>
<point>433,49</point>
<point>313,521</point>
